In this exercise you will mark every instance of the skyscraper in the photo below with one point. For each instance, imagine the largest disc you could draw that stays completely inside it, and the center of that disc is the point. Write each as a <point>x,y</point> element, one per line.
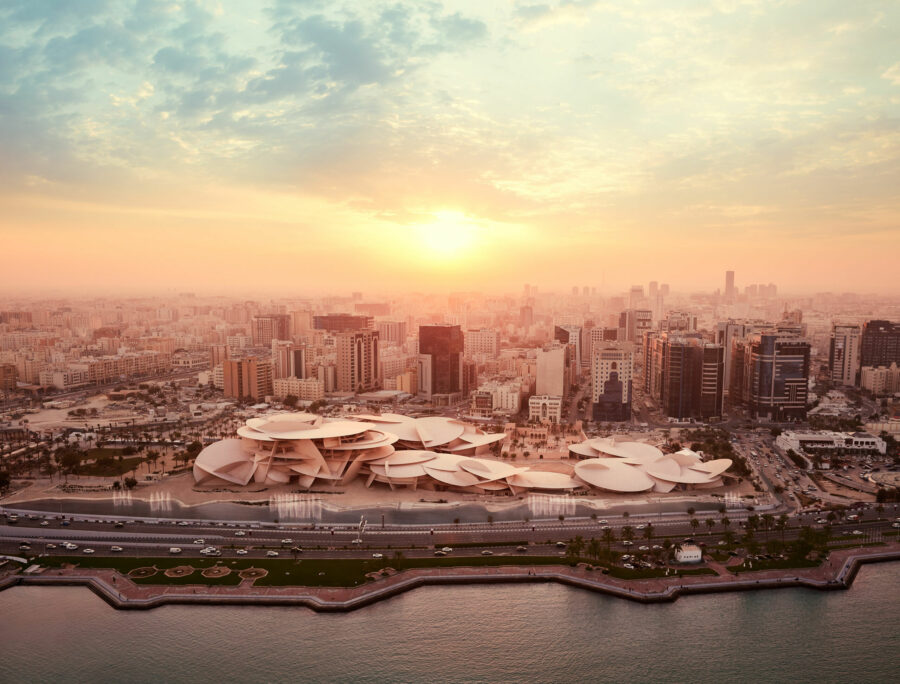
<point>729,286</point>
<point>770,375</point>
<point>843,354</point>
<point>570,334</point>
<point>440,359</point>
<point>270,327</point>
<point>880,343</point>
<point>357,361</point>
<point>554,370</point>
<point>612,366</point>
<point>686,375</point>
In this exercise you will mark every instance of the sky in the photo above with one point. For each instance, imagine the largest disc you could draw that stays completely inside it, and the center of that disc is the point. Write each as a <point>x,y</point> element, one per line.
<point>301,146</point>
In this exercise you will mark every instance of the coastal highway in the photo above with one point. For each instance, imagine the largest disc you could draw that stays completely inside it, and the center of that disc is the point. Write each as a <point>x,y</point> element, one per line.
<point>146,539</point>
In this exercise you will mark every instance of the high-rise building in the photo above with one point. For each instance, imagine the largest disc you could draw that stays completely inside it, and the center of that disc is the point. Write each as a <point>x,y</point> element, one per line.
<point>612,368</point>
<point>8,376</point>
<point>554,369</point>
<point>439,368</point>
<point>482,344</point>
<point>653,290</point>
<point>843,354</point>
<point>770,375</point>
<point>247,378</point>
<point>391,332</point>
<point>880,343</point>
<point>570,334</point>
<point>270,327</point>
<point>727,332</point>
<point>635,296</point>
<point>730,292</point>
<point>342,322</point>
<point>633,323</point>
<point>288,360</point>
<point>357,361</point>
<point>217,354</point>
<point>526,317</point>
<point>686,375</point>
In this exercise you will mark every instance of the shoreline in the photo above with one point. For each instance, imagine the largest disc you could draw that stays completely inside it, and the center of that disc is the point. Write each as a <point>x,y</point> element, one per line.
<point>837,573</point>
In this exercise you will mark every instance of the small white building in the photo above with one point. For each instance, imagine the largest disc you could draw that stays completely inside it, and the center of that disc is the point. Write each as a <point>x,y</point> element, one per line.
<point>545,409</point>
<point>688,553</point>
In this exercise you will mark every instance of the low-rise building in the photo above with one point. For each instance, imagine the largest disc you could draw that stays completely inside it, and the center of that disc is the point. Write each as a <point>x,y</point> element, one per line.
<point>545,408</point>
<point>688,553</point>
<point>307,389</point>
<point>827,441</point>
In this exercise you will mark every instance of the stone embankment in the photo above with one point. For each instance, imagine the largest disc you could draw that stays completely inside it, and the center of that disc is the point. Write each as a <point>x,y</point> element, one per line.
<point>838,572</point>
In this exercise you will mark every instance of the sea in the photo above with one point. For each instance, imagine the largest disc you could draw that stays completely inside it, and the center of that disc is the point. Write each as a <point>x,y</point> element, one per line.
<point>484,633</point>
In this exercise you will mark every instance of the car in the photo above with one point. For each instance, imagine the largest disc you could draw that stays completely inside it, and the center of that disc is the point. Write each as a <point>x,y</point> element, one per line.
<point>560,545</point>
<point>487,553</point>
<point>656,547</point>
<point>627,543</point>
<point>199,541</point>
<point>70,546</point>
<point>606,527</point>
<point>272,554</point>
<point>721,542</point>
<point>287,541</point>
<point>641,527</point>
<point>183,523</point>
<point>856,532</point>
<point>629,566</point>
<point>377,555</point>
<point>116,549</point>
<point>439,553</point>
<point>643,548</point>
<point>447,549</point>
<point>51,546</point>
<point>174,550</point>
<point>65,523</point>
<point>89,551</point>
<point>119,524</point>
<point>356,541</point>
<point>241,552</point>
<point>240,533</point>
<point>895,525</point>
<point>24,547</point>
<point>296,549</point>
<point>822,521</point>
<point>603,522</point>
<point>521,549</point>
<point>45,523</point>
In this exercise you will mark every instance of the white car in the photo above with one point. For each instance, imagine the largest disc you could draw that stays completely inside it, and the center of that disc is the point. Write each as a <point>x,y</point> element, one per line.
<point>377,555</point>
<point>856,532</point>
<point>487,553</point>
<point>629,566</point>
<point>44,523</point>
<point>116,549</point>
<point>199,541</point>
<point>447,549</point>
<point>271,554</point>
<point>287,541</point>
<point>89,551</point>
<point>240,533</point>
<point>70,546</point>
<point>643,548</point>
<point>53,546</point>
<point>627,543</point>
<point>241,552</point>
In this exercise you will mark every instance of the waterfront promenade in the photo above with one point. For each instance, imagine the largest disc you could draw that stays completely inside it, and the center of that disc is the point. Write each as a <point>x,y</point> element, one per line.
<point>837,572</point>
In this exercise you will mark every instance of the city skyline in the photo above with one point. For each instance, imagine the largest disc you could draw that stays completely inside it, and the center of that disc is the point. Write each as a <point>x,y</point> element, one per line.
<point>224,147</point>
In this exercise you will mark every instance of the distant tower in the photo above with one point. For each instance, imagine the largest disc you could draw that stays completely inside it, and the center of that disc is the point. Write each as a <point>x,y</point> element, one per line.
<point>729,285</point>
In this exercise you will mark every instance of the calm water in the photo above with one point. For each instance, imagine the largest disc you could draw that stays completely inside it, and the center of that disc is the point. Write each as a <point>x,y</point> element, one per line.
<point>544,633</point>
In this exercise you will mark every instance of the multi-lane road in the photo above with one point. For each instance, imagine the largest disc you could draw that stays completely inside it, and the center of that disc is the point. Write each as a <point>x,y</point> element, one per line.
<point>155,538</point>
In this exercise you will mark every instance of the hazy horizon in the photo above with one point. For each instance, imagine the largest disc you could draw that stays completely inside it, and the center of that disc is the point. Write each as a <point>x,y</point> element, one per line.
<point>308,147</point>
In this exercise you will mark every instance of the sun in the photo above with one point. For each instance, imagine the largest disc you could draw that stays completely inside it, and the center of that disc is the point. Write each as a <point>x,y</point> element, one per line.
<point>449,238</point>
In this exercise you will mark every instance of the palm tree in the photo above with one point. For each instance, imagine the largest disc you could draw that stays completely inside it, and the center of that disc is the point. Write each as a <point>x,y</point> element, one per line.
<point>609,536</point>
<point>767,520</point>
<point>594,549</point>
<point>710,524</point>
<point>781,525</point>
<point>695,524</point>
<point>628,532</point>
<point>648,532</point>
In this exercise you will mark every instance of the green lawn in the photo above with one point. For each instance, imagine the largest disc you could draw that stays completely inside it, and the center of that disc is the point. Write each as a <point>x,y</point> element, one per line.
<point>328,572</point>
<point>786,564</point>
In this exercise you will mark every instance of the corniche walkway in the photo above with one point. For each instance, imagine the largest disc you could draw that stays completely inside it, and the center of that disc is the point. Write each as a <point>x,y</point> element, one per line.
<point>120,592</point>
